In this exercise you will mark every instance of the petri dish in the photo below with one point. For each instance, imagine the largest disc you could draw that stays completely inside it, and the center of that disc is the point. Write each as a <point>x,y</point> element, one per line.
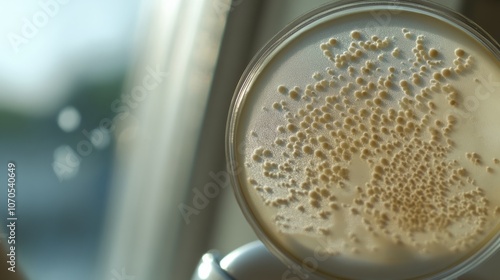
<point>362,141</point>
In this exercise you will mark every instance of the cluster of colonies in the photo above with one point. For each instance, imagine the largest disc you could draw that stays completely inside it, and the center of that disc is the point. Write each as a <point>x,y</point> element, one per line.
<point>355,111</point>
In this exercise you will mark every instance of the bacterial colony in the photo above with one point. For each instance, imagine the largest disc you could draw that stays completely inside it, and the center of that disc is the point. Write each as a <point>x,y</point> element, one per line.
<point>394,123</point>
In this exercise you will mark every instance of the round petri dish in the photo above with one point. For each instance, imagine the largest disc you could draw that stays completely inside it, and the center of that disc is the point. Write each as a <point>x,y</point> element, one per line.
<point>362,142</point>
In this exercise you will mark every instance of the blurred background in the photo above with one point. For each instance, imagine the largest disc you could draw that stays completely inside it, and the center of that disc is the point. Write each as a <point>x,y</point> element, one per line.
<point>114,113</point>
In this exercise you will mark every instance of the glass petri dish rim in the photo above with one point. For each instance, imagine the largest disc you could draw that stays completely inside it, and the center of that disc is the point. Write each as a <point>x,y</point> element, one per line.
<point>425,7</point>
